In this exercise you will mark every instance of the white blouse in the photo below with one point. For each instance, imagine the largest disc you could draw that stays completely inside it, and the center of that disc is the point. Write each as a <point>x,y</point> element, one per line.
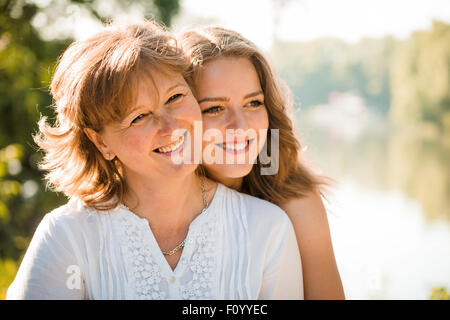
<point>241,247</point>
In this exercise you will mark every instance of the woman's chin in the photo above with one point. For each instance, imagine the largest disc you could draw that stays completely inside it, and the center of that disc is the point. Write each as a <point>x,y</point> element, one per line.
<point>229,171</point>
<point>180,169</point>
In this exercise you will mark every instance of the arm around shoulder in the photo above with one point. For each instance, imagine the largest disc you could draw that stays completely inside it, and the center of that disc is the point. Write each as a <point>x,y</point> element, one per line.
<point>320,273</point>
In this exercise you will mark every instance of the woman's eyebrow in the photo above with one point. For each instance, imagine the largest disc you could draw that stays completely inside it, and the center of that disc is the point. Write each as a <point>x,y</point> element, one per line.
<point>141,106</point>
<point>179,84</point>
<point>214,99</point>
<point>253,94</point>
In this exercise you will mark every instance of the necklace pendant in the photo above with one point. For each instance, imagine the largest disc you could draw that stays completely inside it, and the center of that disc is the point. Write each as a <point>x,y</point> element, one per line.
<point>205,206</point>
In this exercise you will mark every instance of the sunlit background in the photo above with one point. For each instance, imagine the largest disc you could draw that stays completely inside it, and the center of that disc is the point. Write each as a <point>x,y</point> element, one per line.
<point>372,101</point>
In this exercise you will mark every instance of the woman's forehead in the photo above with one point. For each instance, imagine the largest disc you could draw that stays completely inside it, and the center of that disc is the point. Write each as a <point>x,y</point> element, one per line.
<point>152,85</point>
<point>226,75</point>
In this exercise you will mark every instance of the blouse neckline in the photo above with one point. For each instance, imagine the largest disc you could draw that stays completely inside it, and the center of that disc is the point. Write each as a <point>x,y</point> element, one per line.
<point>142,251</point>
<point>197,221</point>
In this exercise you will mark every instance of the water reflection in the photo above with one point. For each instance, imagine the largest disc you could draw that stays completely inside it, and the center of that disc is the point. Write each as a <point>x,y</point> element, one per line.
<point>384,247</point>
<point>387,159</point>
<point>419,166</point>
<point>390,213</point>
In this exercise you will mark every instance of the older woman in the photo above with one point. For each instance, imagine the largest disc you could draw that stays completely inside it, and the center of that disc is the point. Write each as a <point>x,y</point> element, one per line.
<point>139,225</point>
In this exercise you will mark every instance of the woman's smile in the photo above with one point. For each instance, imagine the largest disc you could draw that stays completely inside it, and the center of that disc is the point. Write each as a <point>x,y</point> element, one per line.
<point>174,147</point>
<point>236,147</point>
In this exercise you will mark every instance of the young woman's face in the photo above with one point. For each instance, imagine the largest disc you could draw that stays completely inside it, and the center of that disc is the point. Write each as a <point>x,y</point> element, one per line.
<point>232,103</point>
<point>156,129</point>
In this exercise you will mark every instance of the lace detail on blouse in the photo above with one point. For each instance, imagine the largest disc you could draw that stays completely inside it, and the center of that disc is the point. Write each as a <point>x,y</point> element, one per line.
<point>202,264</point>
<point>145,274</point>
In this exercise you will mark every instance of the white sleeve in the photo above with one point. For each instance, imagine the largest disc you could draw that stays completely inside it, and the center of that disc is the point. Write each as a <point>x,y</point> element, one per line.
<point>51,266</point>
<point>282,274</point>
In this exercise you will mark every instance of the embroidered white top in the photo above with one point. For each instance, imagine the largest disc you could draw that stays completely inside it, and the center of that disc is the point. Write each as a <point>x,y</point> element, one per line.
<point>241,247</point>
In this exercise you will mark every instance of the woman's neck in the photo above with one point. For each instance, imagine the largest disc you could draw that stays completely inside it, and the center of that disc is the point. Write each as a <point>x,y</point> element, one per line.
<point>233,183</point>
<point>168,205</point>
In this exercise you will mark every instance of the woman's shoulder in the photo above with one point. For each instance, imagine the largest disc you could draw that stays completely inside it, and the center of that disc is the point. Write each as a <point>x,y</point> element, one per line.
<point>69,229</point>
<point>74,216</point>
<point>306,210</point>
<point>260,223</point>
<point>256,210</point>
<point>73,210</point>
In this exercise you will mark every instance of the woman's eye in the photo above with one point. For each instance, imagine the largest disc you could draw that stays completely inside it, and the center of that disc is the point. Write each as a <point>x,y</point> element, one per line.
<point>255,103</point>
<point>175,97</point>
<point>139,118</point>
<point>213,110</point>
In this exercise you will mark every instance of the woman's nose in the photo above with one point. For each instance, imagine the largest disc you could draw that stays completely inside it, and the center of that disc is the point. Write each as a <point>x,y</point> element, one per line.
<point>167,124</point>
<point>237,120</point>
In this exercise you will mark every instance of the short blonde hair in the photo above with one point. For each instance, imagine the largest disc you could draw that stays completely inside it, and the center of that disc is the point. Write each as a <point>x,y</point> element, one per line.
<point>95,84</point>
<point>294,178</point>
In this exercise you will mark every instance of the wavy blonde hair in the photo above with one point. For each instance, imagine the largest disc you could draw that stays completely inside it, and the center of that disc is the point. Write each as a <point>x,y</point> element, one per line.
<point>294,178</point>
<point>95,84</point>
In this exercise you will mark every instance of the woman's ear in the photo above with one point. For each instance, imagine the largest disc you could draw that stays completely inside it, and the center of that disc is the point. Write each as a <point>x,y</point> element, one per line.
<point>99,142</point>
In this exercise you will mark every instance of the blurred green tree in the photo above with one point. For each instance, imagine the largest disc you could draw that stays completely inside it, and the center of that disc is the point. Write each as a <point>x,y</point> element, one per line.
<point>167,9</point>
<point>25,65</point>
<point>438,293</point>
<point>314,69</point>
<point>420,81</point>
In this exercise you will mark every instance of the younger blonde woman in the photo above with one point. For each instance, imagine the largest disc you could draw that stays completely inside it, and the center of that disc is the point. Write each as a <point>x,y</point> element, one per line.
<point>237,90</point>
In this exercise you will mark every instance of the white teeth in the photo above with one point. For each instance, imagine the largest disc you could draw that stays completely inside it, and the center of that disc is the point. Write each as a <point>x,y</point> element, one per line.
<point>172,147</point>
<point>235,146</point>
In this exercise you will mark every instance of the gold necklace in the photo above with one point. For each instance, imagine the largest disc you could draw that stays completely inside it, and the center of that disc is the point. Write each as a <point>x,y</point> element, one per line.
<point>205,205</point>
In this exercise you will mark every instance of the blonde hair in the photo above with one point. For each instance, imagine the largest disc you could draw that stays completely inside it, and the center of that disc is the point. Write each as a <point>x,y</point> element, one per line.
<point>294,178</point>
<point>95,84</point>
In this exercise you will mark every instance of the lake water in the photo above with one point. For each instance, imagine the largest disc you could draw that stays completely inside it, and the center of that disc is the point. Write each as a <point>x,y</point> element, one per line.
<point>389,213</point>
<point>384,247</point>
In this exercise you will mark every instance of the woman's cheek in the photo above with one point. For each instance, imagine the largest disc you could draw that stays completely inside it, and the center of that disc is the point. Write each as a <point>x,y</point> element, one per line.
<point>137,141</point>
<point>262,119</point>
<point>260,122</point>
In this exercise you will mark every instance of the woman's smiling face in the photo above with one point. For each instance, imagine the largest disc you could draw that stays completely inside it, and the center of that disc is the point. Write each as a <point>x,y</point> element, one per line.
<point>232,103</point>
<point>157,128</point>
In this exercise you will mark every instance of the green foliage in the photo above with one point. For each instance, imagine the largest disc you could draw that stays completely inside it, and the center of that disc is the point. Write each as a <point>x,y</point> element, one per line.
<point>167,9</point>
<point>439,294</point>
<point>420,80</point>
<point>314,69</point>
<point>408,81</point>
<point>8,270</point>
<point>9,158</point>
<point>161,10</point>
<point>427,165</point>
<point>26,62</point>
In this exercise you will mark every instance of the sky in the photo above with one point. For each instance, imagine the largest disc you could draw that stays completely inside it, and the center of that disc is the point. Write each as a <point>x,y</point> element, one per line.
<point>300,20</point>
<point>263,20</point>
